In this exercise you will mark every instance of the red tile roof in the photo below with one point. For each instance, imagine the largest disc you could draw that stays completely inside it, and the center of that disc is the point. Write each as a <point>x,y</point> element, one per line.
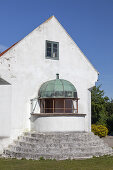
<point>7,49</point>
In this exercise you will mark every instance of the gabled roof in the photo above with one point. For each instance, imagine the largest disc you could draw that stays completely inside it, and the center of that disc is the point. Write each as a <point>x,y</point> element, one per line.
<point>20,40</point>
<point>7,49</point>
<point>63,29</point>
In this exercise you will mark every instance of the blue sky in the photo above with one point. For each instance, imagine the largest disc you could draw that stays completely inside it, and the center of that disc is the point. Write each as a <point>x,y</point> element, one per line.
<point>89,23</point>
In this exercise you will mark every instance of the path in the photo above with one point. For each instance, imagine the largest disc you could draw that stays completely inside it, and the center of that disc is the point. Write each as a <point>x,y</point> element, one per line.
<point>108,140</point>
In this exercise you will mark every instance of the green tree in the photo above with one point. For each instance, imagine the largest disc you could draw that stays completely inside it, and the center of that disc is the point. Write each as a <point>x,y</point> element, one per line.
<point>102,108</point>
<point>98,103</point>
<point>109,108</point>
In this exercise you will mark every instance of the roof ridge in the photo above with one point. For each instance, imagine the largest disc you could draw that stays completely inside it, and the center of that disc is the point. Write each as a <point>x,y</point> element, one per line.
<point>65,32</point>
<point>25,36</point>
<point>8,49</point>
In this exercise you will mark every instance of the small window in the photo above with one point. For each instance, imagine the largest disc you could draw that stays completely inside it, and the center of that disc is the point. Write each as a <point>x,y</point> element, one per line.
<point>52,50</point>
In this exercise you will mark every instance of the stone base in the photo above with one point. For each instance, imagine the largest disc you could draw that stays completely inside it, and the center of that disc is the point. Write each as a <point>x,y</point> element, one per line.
<point>57,145</point>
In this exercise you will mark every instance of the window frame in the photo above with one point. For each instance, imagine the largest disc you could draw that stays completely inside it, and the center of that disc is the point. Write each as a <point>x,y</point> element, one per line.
<point>52,43</point>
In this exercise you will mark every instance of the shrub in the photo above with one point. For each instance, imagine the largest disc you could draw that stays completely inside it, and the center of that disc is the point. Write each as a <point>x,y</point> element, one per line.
<point>99,130</point>
<point>41,158</point>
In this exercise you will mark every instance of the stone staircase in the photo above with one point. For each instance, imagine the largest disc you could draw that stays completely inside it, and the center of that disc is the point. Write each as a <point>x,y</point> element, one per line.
<point>57,145</point>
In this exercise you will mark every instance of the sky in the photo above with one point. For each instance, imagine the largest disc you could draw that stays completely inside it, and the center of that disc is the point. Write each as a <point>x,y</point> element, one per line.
<point>88,22</point>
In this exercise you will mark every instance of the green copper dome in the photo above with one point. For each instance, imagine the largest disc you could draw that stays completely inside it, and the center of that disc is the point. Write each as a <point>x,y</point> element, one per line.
<point>57,88</point>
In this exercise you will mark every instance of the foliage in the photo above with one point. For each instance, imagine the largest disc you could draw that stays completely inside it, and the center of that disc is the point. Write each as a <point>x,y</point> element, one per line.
<point>109,108</point>
<point>99,114</point>
<point>41,158</point>
<point>102,108</point>
<point>99,130</point>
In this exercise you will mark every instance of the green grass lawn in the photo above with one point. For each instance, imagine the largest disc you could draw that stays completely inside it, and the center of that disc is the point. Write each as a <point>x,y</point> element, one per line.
<point>101,163</point>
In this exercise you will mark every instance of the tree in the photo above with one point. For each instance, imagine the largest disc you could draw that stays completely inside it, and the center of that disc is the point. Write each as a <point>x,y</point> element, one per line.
<point>109,108</point>
<point>99,113</point>
<point>102,108</point>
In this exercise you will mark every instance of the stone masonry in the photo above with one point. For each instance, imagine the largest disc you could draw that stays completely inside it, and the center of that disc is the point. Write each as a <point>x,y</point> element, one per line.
<point>57,145</point>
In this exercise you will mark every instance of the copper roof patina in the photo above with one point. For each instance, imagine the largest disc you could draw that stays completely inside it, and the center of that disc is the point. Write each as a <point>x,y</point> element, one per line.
<point>58,88</point>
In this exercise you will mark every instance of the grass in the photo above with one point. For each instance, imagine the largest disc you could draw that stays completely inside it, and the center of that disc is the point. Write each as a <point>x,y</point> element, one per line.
<point>101,163</point>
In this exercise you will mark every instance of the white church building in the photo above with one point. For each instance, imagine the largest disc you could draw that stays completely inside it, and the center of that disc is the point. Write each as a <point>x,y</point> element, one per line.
<point>45,84</point>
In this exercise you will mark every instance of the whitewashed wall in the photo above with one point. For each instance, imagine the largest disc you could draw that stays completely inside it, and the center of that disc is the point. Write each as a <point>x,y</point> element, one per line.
<point>5,110</point>
<point>59,124</point>
<point>26,68</point>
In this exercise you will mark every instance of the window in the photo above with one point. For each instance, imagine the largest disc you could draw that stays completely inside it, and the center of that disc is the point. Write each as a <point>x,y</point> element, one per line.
<point>56,105</point>
<point>52,50</point>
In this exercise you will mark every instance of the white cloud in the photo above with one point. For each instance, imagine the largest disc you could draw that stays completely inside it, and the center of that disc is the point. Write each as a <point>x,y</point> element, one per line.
<point>2,47</point>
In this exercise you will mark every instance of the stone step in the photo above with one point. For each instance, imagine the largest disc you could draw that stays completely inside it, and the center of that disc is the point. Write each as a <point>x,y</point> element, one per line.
<point>60,150</point>
<point>60,145</point>
<point>56,140</point>
<point>65,136</point>
<point>36,156</point>
<point>60,142</point>
<point>57,145</point>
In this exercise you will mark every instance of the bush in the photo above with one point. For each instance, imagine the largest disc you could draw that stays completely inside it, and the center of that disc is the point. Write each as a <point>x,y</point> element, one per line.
<point>41,158</point>
<point>99,130</point>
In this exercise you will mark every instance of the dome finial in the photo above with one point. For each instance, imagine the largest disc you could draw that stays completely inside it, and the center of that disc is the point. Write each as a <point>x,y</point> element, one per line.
<point>57,76</point>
